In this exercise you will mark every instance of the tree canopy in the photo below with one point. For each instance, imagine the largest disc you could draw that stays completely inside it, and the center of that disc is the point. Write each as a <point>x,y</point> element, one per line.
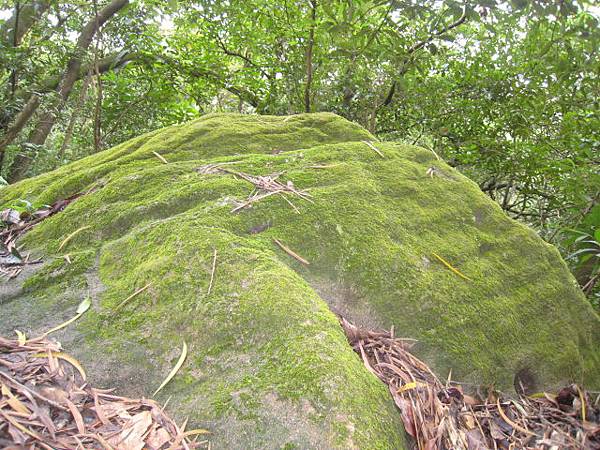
<point>506,91</point>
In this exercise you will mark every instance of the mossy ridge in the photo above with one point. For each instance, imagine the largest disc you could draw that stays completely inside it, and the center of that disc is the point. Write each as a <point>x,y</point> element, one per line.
<point>373,227</point>
<point>329,384</point>
<point>262,332</point>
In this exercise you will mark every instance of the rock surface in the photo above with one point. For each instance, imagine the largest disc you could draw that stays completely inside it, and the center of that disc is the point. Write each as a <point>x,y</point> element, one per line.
<point>268,364</point>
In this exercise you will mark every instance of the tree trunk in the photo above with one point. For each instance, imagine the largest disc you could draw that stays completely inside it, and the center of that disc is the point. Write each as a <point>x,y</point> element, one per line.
<point>70,76</point>
<point>309,56</point>
<point>20,121</point>
<point>72,121</point>
<point>98,115</point>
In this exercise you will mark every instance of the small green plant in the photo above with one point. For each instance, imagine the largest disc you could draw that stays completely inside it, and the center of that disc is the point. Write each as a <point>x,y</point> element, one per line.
<point>585,261</point>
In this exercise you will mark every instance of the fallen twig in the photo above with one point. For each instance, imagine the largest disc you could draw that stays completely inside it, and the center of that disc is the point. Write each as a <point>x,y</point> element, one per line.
<point>291,253</point>
<point>323,166</point>
<point>267,186</point>
<point>135,294</point>
<point>212,272</point>
<point>375,149</point>
<point>159,156</point>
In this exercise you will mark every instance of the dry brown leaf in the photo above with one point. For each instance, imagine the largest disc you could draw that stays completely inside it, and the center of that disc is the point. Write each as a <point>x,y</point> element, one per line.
<point>157,438</point>
<point>131,436</point>
<point>14,402</point>
<point>76,415</point>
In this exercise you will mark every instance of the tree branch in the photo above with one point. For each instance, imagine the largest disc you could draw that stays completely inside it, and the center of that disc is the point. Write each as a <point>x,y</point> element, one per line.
<point>241,56</point>
<point>70,75</point>
<point>309,56</point>
<point>419,45</point>
<point>462,19</point>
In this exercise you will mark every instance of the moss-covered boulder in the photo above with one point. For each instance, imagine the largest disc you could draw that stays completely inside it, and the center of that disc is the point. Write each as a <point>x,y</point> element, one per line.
<point>401,240</point>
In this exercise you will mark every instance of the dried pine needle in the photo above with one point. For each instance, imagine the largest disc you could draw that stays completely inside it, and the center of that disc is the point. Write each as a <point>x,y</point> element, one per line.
<point>449,266</point>
<point>139,291</point>
<point>212,272</point>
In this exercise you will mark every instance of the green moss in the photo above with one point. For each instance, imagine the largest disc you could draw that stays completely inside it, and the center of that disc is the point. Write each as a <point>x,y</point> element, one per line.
<point>60,271</point>
<point>268,364</point>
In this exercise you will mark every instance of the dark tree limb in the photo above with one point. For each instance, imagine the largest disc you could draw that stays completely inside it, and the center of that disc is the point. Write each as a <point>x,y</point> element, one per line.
<point>248,61</point>
<point>419,45</point>
<point>309,56</point>
<point>18,121</point>
<point>198,72</point>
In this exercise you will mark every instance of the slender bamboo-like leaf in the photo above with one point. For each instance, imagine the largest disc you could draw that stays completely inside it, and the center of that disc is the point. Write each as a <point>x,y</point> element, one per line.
<point>409,386</point>
<point>583,406</point>
<point>71,236</point>
<point>195,432</point>
<point>175,368</point>
<point>65,357</point>
<point>162,158</point>
<point>81,309</point>
<point>13,401</point>
<point>21,338</point>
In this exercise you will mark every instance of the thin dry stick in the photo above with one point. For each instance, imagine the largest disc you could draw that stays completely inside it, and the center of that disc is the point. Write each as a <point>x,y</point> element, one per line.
<point>212,272</point>
<point>291,253</point>
<point>375,149</point>
<point>163,160</point>
<point>323,166</point>
<point>449,266</point>
<point>71,236</point>
<point>266,186</point>
<point>136,293</point>
<point>290,203</point>
<point>253,199</point>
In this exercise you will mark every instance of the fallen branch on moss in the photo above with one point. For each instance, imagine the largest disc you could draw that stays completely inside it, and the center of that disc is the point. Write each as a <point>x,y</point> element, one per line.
<point>441,416</point>
<point>266,186</point>
<point>291,252</point>
<point>375,149</point>
<point>47,404</point>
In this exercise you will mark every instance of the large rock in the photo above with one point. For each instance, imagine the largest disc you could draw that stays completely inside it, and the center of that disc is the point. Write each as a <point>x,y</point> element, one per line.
<point>268,365</point>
